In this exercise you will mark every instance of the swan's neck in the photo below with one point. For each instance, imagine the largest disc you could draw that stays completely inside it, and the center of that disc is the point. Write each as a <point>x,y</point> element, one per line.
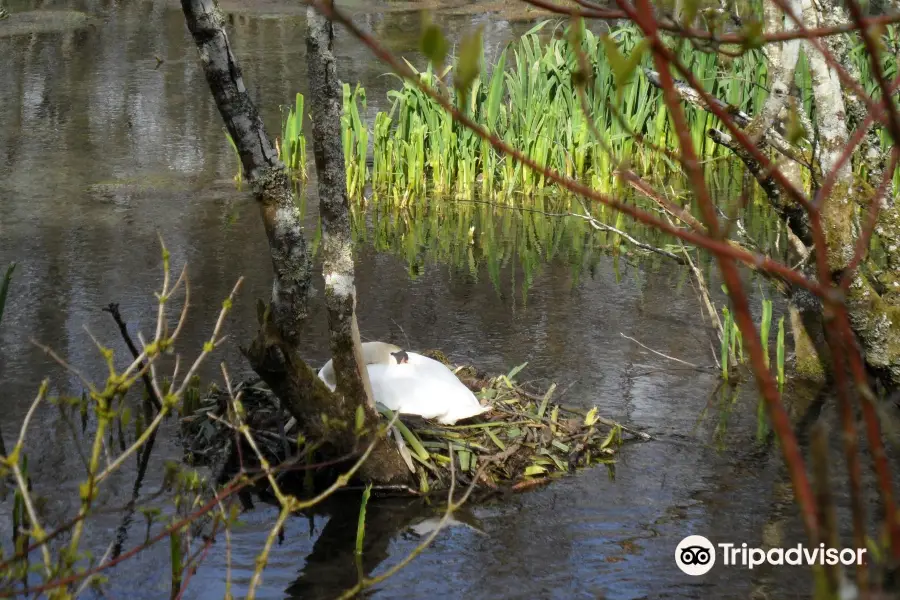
<point>379,353</point>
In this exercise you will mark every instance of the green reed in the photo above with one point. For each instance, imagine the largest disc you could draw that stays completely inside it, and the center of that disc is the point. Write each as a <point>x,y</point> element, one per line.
<point>355,138</point>
<point>292,147</point>
<point>732,353</point>
<point>239,176</point>
<point>529,100</point>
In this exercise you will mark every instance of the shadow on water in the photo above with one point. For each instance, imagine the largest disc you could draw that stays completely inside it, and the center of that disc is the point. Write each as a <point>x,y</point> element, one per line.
<point>102,146</point>
<point>332,566</point>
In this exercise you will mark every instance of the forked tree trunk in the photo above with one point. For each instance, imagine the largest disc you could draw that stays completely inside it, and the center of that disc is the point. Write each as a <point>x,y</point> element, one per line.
<point>274,354</point>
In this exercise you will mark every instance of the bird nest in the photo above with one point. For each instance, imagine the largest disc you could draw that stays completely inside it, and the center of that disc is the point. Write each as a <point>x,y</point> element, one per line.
<point>525,440</point>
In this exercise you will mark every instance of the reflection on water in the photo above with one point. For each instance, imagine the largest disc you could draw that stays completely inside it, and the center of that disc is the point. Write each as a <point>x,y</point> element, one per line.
<point>103,146</point>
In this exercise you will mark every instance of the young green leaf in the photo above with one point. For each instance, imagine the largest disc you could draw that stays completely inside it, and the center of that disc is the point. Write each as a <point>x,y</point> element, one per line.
<point>753,35</point>
<point>468,63</point>
<point>623,67</point>
<point>515,371</point>
<point>434,45</point>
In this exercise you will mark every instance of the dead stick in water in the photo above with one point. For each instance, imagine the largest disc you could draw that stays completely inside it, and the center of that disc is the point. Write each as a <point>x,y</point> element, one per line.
<point>678,360</point>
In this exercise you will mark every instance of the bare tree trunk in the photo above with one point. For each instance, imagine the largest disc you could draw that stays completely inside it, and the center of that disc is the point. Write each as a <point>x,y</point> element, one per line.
<point>781,60</point>
<point>274,354</point>
<point>326,103</point>
<point>875,316</point>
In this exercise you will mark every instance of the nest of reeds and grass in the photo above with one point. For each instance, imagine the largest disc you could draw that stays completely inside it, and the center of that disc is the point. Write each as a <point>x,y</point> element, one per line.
<point>526,440</point>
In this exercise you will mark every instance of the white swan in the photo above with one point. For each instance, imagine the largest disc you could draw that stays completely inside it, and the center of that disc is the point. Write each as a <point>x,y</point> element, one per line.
<point>413,384</point>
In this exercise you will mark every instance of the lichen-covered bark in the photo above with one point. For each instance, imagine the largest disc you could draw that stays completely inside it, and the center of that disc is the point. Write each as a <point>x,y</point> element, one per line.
<point>831,125</point>
<point>326,103</point>
<point>781,61</point>
<point>287,244</point>
<point>875,316</point>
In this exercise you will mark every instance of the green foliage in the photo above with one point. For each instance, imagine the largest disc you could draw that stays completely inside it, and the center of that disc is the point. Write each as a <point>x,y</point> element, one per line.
<point>434,45</point>
<point>292,149</point>
<point>529,99</point>
<point>355,139</point>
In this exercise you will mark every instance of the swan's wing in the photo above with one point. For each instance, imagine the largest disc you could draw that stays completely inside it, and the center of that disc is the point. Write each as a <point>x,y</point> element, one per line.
<point>432,368</point>
<point>405,389</point>
<point>458,413</point>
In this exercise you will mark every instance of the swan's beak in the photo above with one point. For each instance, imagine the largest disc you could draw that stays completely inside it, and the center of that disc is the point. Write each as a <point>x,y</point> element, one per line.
<point>401,357</point>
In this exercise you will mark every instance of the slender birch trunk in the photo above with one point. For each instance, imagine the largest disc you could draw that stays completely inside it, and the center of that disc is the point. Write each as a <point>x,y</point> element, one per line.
<point>326,105</point>
<point>266,174</point>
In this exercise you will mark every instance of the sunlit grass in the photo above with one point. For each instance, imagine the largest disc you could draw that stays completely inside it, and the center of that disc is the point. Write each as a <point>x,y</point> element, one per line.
<point>292,146</point>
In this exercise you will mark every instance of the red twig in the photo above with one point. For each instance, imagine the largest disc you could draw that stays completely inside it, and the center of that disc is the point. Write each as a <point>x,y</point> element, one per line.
<point>865,237</point>
<point>743,317</point>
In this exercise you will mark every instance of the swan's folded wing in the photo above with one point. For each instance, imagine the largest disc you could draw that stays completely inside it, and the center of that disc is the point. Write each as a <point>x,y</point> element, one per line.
<point>401,388</point>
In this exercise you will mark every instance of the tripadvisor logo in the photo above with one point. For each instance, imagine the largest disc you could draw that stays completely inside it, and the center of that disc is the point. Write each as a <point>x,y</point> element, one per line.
<point>696,555</point>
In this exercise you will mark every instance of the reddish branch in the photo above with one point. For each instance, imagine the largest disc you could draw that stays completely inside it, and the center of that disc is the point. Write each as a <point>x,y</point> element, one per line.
<point>781,422</point>
<point>591,10</point>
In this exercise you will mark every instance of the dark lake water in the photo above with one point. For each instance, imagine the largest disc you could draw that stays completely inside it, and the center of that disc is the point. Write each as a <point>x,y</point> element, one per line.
<point>101,149</point>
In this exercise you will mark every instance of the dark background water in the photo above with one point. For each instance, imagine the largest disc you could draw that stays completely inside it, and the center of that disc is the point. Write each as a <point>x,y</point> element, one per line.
<point>102,150</point>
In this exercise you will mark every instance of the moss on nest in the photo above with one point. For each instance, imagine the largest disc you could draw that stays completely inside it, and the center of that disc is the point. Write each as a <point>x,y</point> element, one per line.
<point>524,441</point>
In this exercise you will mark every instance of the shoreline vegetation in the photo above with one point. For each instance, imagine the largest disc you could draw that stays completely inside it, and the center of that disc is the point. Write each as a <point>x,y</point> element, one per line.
<point>529,98</point>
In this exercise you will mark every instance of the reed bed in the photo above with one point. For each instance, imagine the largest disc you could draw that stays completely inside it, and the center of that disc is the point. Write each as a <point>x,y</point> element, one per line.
<point>526,439</point>
<point>528,99</point>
